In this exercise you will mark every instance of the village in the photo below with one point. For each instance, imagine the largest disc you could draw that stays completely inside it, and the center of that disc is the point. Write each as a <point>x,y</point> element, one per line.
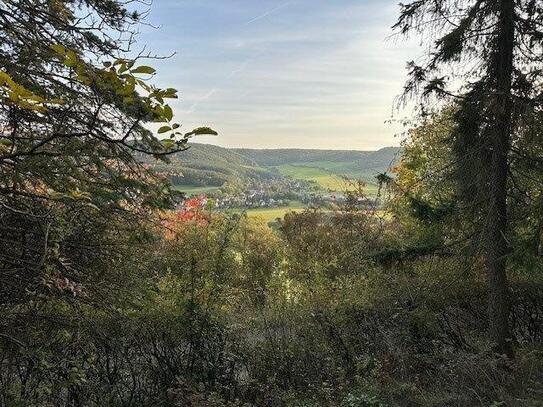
<point>274,194</point>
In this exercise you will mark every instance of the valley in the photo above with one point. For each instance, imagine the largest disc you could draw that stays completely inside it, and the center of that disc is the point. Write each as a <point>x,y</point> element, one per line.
<point>270,183</point>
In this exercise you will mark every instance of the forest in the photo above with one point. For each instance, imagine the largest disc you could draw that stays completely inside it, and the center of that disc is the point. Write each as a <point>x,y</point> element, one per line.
<point>116,292</point>
<point>207,165</point>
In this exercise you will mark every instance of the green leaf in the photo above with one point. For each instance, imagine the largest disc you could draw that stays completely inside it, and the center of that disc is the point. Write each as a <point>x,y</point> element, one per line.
<point>201,131</point>
<point>144,69</point>
<point>5,78</point>
<point>123,68</point>
<point>120,61</point>
<point>170,93</point>
<point>168,143</point>
<point>58,48</point>
<point>164,129</point>
<point>168,113</point>
<point>71,58</point>
<point>144,85</point>
<point>126,89</point>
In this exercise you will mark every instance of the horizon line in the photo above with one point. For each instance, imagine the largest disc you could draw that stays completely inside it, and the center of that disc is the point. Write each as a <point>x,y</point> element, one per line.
<point>291,148</point>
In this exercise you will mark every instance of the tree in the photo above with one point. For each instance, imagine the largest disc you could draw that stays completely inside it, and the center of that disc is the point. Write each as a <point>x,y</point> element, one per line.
<point>69,122</point>
<point>424,188</point>
<point>76,196</point>
<point>492,48</point>
<point>73,186</point>
<point>73,111</point>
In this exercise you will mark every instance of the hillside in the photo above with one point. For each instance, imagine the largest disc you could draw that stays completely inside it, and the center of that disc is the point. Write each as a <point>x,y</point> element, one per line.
<point>205,165</point>
<point>356,164</point>
<point>274,157</point>
<point>209,165</point>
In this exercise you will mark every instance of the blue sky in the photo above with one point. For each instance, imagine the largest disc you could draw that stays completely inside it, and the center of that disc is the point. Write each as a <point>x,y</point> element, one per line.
<point>273,73</point>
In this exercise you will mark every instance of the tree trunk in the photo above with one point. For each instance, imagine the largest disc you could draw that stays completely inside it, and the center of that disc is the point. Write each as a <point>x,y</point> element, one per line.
<point>496,244</point>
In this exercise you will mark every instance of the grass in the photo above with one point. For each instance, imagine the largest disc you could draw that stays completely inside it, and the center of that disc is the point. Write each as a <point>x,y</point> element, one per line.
<point>371,190</point>
<point>194,189</point>
<point>322,177</point>
<point>331,166</point>
<point>343,168</point>
<point>271,214</point>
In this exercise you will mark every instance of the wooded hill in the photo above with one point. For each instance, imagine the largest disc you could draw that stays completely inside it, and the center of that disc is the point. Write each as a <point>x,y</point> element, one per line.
<point>209,165</point>
<point>205,164</point>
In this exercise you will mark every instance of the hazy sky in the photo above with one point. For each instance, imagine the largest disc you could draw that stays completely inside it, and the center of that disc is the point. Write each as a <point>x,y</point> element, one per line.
<point>273,73</point>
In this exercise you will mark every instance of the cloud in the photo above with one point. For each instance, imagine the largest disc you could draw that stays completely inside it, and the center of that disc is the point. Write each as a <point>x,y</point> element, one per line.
<point>312,73</point>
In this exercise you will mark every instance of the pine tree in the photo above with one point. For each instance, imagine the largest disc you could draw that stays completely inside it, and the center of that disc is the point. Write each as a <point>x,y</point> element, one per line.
<point>486,56</point>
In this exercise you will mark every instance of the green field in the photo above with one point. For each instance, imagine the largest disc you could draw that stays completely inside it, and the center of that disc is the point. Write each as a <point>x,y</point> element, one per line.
<point>195,190</point>
<point>330,166</point>
<point>320,176</point>
<point>343,168</point>
<point>271,214</point>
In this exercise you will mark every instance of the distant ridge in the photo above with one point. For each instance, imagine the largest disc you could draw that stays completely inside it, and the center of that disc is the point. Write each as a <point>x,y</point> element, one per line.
<point>281,156</point>
<point>210,165</point>
<point>356,164</point>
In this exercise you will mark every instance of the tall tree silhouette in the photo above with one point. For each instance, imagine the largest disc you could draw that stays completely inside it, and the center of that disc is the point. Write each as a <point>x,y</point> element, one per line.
<point>485,55</point>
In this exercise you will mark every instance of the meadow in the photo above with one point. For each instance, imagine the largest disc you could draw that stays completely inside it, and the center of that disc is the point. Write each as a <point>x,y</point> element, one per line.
<point>323,174</point>
<point>271,214</point>
<point>324,178</point>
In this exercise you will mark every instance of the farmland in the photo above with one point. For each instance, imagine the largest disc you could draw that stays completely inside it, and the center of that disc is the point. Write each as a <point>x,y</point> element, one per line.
<point>325,179</point>
<point>271,214</point>
<point>269,183</point>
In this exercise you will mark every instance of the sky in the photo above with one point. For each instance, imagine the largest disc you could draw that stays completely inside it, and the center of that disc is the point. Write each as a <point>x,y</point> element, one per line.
<point>283,74</point>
